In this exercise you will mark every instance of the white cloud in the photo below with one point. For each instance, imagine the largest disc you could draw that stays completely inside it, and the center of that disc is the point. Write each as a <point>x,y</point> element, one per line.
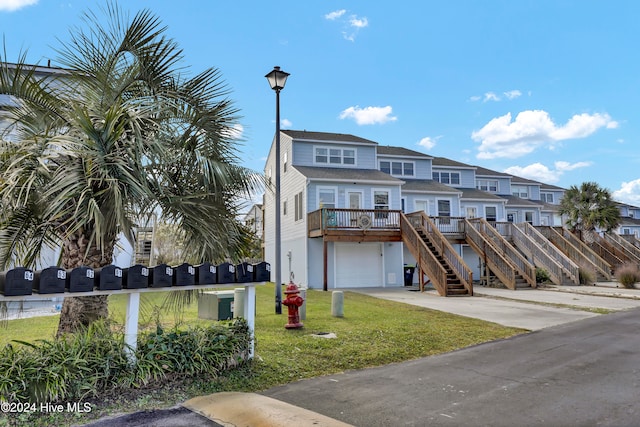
<point>234,132</point>
<point>533,129</point>
<point>629,193</point>
<point>335,14</point>
<point>369,115</point>
<point>356,22</point>
<point>490,96</point>
<point>475,98</point>
<point>286,123</point>
<point>428,142</point>
<point>12,5</point>
<point>540,172</point>
<point>512,94</point>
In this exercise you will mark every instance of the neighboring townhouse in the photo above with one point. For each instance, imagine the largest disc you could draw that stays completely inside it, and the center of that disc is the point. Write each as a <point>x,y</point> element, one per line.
<point>353,175</point>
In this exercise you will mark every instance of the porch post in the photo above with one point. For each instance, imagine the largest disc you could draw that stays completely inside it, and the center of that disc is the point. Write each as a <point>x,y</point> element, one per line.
<point>324,264</point>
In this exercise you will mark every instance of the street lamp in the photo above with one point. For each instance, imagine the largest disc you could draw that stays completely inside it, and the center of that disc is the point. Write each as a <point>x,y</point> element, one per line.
<point>277,80</point>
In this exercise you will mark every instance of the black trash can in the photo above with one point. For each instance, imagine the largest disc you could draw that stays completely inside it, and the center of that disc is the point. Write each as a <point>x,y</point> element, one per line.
<point>408,274</point>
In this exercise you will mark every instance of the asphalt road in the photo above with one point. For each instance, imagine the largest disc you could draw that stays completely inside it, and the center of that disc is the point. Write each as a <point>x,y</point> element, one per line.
<point>584,373</point>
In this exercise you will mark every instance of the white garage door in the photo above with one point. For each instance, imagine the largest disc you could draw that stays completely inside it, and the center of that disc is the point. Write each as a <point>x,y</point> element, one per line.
<point>358,265</point>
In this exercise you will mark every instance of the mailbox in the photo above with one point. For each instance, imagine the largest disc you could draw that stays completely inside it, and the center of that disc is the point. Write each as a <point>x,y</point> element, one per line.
<point>160,276</point>
<point>206,274</point>
<point>50,280</point>
<point>109,278</point>
<point>17,281</point>
<point>262,272</point>
<point>80,279</point>
<point>135,277</point>
<point>226,273</point>
<point>184,275</point>
<point>244,272</point>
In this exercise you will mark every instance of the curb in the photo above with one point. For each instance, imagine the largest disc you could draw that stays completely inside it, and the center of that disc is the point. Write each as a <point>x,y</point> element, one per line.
<point>255,410</point>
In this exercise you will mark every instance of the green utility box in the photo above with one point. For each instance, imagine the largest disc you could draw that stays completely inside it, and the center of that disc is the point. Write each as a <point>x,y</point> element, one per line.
<point>216,305</point>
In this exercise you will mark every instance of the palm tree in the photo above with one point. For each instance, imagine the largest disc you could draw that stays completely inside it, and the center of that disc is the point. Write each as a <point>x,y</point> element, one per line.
<point>589,207</point>
<point>119,133</point>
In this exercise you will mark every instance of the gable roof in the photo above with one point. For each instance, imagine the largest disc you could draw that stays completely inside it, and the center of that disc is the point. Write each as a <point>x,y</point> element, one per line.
<point>475,194</point>
<point>517,201</point>
<point>428,186</point>
<point>304,135</point>
<point>346,174</point>
<point>387,150</point>
<point>480,171</point>
<point>444,162</point>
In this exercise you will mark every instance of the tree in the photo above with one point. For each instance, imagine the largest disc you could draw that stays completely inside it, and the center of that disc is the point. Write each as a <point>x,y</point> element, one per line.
<point>118,133</point>
<point>589,207</point>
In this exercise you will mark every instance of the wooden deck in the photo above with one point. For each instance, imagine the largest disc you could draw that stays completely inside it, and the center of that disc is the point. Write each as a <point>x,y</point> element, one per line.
<point>355,225</point>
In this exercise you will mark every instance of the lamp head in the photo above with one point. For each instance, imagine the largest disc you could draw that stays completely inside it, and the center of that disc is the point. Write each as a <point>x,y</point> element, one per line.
<point>277,78</point>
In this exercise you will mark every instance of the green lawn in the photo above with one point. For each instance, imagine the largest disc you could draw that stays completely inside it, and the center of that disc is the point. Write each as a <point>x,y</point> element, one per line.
<point>373,332</point>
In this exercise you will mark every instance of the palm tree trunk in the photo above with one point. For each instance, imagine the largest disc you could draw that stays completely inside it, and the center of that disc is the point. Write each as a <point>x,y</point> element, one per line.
<point>78,312</point>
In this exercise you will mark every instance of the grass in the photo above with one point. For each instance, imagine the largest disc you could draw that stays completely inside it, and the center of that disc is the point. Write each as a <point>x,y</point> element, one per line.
<point>373,332</point>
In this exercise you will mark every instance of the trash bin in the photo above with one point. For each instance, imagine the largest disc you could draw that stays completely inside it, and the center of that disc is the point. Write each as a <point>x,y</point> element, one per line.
<point>216,305</point>
<point>408,274</point>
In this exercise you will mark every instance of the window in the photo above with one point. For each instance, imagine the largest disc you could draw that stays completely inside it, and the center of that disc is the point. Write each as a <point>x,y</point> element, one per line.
<point>321,155</point>
<point>335,156</point>
<point>471,212</point>
<point>511,217</point>
<point>547,197</point>
<point>327,198</point>
<point>284,208</point>
<point>452,178</point>
<point>490,185</point>
<point>528,217</point>
<point>397,168</point>
<point>520,191</point>
<point>490,213</point>
<point>444,208</point>
<point>626,231</point>
<point>285,160</point>
<point>298,206</point>
<point>381,201</point>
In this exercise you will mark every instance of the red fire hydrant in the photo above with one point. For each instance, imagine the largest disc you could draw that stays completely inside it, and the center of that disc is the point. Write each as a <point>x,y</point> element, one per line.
<point>293,301</point>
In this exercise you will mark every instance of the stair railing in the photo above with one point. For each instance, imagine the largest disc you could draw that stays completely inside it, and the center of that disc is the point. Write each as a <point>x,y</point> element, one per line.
<point>629,249</point>
<point>426,260</point>
<point>524,267</point>
<point>543,253</point>
<point>444,248</point>
<point>576,250</point>
<point>501,267</point>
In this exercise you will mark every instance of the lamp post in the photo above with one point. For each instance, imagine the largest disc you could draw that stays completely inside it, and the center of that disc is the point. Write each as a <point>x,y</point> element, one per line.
<point>277,80</point>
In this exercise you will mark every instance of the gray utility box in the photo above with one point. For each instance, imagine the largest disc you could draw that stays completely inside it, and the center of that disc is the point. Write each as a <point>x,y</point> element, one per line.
<point>216,305</point>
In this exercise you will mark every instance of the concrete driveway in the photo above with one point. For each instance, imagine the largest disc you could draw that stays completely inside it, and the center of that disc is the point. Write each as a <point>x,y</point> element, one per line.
<point>531,309</point>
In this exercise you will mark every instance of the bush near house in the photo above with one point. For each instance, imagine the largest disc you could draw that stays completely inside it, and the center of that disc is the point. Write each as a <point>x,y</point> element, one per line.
<point>542,275</point>
<point>94,362</point>
<point>628,275</point>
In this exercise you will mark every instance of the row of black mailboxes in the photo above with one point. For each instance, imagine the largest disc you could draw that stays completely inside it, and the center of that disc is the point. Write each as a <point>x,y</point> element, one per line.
<point>53,280</point>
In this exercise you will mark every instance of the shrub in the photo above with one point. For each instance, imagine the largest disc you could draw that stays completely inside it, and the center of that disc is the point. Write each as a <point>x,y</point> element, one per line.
<point>94,361</point>
<point>628,275</point>
<point>542,275</point>
<point>586,276</point>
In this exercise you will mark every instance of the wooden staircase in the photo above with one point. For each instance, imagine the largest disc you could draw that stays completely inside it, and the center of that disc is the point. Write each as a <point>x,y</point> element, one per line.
<point>435,256</point>
<point>509,265</point>
<point>453,283</point>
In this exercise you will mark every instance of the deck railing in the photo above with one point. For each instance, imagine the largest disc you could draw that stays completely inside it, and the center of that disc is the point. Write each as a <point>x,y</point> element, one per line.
<point>444,248</point>
<point>351,219</point>
<point>604,249</point>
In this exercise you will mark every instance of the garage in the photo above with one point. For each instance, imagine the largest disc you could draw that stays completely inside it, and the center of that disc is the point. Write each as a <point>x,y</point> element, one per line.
<point>358,265</point>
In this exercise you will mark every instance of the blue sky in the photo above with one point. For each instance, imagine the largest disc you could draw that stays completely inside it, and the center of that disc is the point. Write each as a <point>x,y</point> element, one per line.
<point>544,89</point>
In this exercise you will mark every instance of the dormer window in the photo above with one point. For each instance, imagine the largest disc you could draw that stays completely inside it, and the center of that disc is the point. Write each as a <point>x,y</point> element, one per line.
<point>335,156</point>
<point>451,178</point>
<point>397,168</point>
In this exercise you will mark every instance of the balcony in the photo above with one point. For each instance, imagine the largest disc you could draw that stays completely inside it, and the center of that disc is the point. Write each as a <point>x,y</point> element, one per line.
<point>357,225</point>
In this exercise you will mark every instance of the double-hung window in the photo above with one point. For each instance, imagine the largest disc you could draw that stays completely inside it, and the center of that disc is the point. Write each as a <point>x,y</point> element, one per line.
<point>490,185</point>
<point>397,168</point>
<point>298,206</point>
<point>451,178</point>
